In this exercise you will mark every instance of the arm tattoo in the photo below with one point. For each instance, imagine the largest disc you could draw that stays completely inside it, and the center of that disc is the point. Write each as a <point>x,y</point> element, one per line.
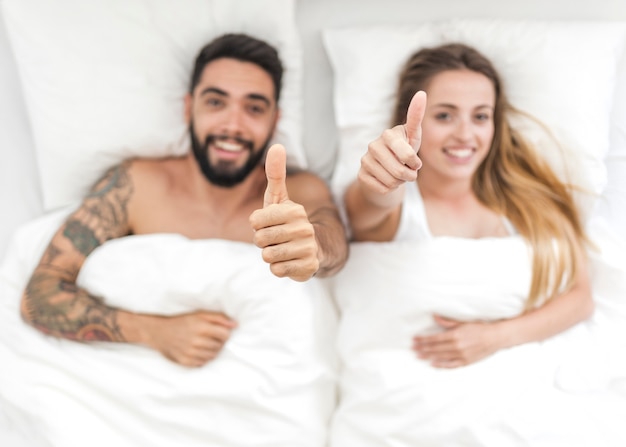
<point>66,311</point>
<point>53,302</point>
<point>103,213</point>
<point>83,237</point>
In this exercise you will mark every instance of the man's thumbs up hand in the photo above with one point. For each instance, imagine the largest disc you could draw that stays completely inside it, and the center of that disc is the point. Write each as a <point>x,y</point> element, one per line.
<point>276,173</point>
<point>282,228</point>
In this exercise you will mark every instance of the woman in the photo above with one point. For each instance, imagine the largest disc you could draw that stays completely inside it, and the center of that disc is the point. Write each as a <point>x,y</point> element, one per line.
<point>478,179</point>
<point>487,253</point>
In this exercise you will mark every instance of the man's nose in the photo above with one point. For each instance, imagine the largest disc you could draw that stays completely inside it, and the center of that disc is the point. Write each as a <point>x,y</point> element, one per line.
<point>233,120</point>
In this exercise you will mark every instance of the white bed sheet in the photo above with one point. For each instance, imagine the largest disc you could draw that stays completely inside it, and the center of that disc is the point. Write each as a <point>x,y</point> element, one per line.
<point>565,391</point>
<point>273,383</point>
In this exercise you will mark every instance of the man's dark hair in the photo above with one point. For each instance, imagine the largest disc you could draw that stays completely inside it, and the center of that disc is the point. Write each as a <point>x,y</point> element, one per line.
<point>243,48</point>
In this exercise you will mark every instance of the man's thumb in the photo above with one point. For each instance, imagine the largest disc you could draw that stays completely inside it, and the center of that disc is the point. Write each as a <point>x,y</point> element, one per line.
<point>276,172</point>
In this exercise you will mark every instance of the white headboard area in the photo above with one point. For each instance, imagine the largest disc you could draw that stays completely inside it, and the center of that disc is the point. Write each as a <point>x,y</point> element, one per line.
<point>21,195</point>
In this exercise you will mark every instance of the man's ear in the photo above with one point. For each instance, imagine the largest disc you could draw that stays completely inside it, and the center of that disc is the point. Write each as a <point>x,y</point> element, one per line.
<point>276,120</point>
<point>188,105</point>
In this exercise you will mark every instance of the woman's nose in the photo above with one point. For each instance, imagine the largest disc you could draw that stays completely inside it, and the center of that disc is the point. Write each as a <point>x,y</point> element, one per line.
<point>463,129</point>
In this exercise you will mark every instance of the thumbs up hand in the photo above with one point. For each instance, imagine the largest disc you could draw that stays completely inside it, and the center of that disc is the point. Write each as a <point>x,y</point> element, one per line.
<point>282,227</point>
<point>276,173</point>
<point>391,159</point>
<point>414,117</point>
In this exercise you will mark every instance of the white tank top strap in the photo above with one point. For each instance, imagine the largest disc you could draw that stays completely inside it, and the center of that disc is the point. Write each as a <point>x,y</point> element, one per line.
<point>510,229</point>
<point>413,224</point>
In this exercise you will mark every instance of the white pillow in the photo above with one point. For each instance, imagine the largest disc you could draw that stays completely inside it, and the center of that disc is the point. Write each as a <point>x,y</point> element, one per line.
<point>612,205</point>
<point>563,73</point>
<point>105,79</point>
<point>21,195</point>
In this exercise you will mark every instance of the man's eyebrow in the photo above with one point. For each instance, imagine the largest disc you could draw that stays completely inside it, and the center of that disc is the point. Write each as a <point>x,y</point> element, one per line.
<point>220,92</point>
<point>260,97</point>
<point>213,90</point>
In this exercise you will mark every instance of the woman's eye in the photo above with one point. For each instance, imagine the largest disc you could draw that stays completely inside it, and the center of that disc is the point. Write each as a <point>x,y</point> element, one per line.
<point>442,116</point>
<point>482,117</point>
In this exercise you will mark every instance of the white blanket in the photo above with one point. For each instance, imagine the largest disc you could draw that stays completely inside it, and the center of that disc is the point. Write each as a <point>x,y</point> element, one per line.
<point>563,392</point>
<point>272,384</point>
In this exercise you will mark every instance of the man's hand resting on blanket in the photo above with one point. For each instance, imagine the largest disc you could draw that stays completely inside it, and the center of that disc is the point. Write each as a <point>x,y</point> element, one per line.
<point>190,339</point>
<point>459,345</point>
<point>282,227</point>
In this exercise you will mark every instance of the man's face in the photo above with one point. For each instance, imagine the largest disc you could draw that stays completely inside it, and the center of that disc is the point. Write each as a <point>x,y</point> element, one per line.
<point>232,115</point>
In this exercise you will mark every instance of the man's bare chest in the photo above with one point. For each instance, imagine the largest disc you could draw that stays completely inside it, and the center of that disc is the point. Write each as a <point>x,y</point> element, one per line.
<point>196,223</point>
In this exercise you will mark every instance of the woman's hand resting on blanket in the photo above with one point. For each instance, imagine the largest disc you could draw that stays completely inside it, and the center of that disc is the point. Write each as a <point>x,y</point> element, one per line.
<point>190,339</point>
<point>459,345</point>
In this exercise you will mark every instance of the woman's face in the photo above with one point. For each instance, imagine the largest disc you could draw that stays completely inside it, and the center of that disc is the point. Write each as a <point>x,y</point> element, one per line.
<point>458,127</point>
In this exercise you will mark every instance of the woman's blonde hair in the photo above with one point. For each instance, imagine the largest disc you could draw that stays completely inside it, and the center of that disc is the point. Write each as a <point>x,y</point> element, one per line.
<point>513,180</point>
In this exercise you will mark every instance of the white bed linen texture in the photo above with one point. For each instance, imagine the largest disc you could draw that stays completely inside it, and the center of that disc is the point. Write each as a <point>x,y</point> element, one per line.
<point>565,391</point>
<point>273,384</point>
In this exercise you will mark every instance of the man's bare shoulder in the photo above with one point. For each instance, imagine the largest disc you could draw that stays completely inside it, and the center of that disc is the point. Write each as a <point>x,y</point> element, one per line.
<point>306,184</point>
<point>155,172</point>
<point>156,166</point>
<point>298,175</point>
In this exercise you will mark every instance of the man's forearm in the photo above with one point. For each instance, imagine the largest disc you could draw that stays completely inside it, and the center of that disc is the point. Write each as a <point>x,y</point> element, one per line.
<point>58,307</point>
<point>331,240</point>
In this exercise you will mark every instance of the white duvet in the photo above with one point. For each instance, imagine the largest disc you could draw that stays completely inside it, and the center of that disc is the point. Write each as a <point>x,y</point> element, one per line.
<point>568,391</point>
<point>272,385</point>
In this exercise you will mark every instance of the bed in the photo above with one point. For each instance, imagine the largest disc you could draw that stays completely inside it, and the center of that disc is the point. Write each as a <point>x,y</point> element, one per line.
<point>281,381</point>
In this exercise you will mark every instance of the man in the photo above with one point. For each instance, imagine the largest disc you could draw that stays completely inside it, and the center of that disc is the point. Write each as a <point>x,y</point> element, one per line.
<point>220,189</point>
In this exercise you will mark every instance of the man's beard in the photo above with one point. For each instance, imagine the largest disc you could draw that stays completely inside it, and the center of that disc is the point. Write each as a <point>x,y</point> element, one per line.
<point>223,174</point>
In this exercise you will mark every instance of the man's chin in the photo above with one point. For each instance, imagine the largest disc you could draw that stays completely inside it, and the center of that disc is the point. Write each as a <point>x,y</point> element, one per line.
<point>226,182</point>
<point>227,178</point>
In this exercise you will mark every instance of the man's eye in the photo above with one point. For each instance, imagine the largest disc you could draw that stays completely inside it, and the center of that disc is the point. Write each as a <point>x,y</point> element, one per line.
<point>213,102</point>
<point>256,110</point>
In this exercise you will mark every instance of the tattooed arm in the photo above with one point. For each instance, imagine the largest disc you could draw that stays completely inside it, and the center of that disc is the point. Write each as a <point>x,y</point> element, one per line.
<point>55,305</point>
<point>52,302</point>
